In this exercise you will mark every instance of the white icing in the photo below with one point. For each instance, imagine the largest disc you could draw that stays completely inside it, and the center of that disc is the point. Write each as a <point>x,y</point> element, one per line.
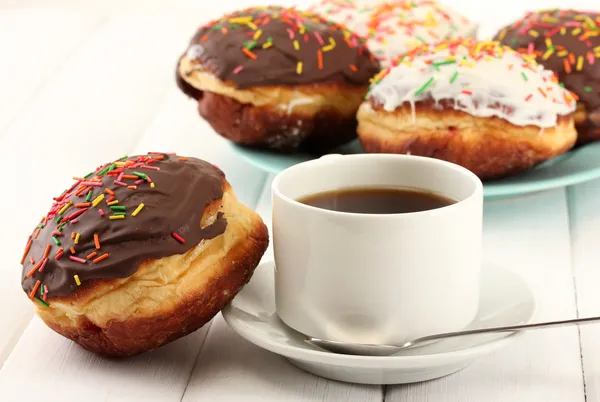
<point>393,27</point>
<point>399,28</point>
<point>354,14</point>
<point>479,85</point>
<point>194,51</point>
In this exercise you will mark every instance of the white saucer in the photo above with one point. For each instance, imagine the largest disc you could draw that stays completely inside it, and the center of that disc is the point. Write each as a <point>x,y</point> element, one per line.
<point>506,299</point>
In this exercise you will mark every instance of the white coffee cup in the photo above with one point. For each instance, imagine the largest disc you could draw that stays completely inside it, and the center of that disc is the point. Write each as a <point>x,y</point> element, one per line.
<point>377,278</point>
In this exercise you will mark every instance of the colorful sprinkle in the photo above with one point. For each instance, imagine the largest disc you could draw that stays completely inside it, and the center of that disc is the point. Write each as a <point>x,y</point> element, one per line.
<point>178,238</point>
<point>97,200</point>
<point>47,251</point>
<point>102,257</point>
<point>44,262</point>
<point>42,301</point>
<point>35,289</point>
<point>27,248</point>
<point>249,53</point>
<point>35,268</point>
<point>138,209</point>
<point>77,281</point>
<point>424,86</point>
<point>77,259</point>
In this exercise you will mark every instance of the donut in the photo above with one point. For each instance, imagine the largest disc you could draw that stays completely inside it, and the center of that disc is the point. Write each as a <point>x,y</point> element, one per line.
<point>354,14</point>
<point>394,27</point>
<point>278,79</point>
<point>140,252</point>
<point>568,43</point>
<point>477,104</point>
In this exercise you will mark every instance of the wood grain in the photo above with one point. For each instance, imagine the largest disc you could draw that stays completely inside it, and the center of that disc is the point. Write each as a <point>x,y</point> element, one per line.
<point>30,60</point>
<point>67,373</point>
<point>35,45</point>
<point>81,117</point>
<point>529,235</point>
<point>585,227</point>
<point>230,368</point>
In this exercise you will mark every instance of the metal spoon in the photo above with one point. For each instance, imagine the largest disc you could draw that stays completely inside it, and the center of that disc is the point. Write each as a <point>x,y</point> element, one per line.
<point>363,349</point>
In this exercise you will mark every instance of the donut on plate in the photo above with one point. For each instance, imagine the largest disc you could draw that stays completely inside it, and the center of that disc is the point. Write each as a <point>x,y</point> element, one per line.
<point>277,78</point>
<point>354,14</point>
<point>393,27</point>
<point>140,252</point>
<point>477,104</point>
<point>568,43</point>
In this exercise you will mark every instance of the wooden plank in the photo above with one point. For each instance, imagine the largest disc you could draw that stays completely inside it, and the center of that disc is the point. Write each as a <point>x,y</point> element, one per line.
<point>34,46</point>
<point>172,364</point>
<point>231,369</point>
<point>89,111</point>
<point>45,363</point>
<point>585,226</point>
<point>92,110</point>
<point>531,236</point>
<point>176,127</point>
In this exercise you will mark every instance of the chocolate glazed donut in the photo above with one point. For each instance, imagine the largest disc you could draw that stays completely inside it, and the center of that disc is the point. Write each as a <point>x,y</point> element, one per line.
<point>568,43</point>
<point>278,78</point>
<point>140,252</point>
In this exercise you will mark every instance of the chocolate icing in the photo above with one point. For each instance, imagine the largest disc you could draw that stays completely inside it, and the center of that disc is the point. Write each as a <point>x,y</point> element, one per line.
<point>558,38</point>
<point>182,189</point>
<point>281,46</point>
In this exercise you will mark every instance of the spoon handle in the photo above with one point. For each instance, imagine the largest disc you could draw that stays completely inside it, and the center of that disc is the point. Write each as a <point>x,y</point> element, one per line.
<point>511,328</point>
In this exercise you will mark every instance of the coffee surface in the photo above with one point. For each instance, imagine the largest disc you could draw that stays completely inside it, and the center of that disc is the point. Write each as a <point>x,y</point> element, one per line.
<point>375,200</point>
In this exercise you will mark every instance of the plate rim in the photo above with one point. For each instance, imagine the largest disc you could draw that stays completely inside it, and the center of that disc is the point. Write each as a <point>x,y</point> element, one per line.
<point>491,191</point>
<point>323,357</point>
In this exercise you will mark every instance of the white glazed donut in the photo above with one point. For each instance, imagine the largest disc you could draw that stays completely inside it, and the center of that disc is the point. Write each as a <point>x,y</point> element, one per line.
<point>477,76</point>
<point>394,27</point>
<point>398,26</point>
<point>354,14</point>
<point>478,104</point>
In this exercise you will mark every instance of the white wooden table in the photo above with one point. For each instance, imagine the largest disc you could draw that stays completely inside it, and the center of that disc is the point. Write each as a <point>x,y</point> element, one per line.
<point>103,72</point>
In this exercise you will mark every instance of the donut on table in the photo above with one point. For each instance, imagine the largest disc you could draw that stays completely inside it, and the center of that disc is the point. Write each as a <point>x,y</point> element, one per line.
<point>140,252</point>
<point>278,78</point>
<point>568,43</point>
<point>394,27</point>
<point>477,104</point>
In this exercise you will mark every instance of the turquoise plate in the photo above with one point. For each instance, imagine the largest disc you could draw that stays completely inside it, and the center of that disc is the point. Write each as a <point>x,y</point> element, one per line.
<point>577,166</point>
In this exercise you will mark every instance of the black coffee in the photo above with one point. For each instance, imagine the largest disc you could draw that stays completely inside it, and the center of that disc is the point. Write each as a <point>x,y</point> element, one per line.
<point>377,200</point>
